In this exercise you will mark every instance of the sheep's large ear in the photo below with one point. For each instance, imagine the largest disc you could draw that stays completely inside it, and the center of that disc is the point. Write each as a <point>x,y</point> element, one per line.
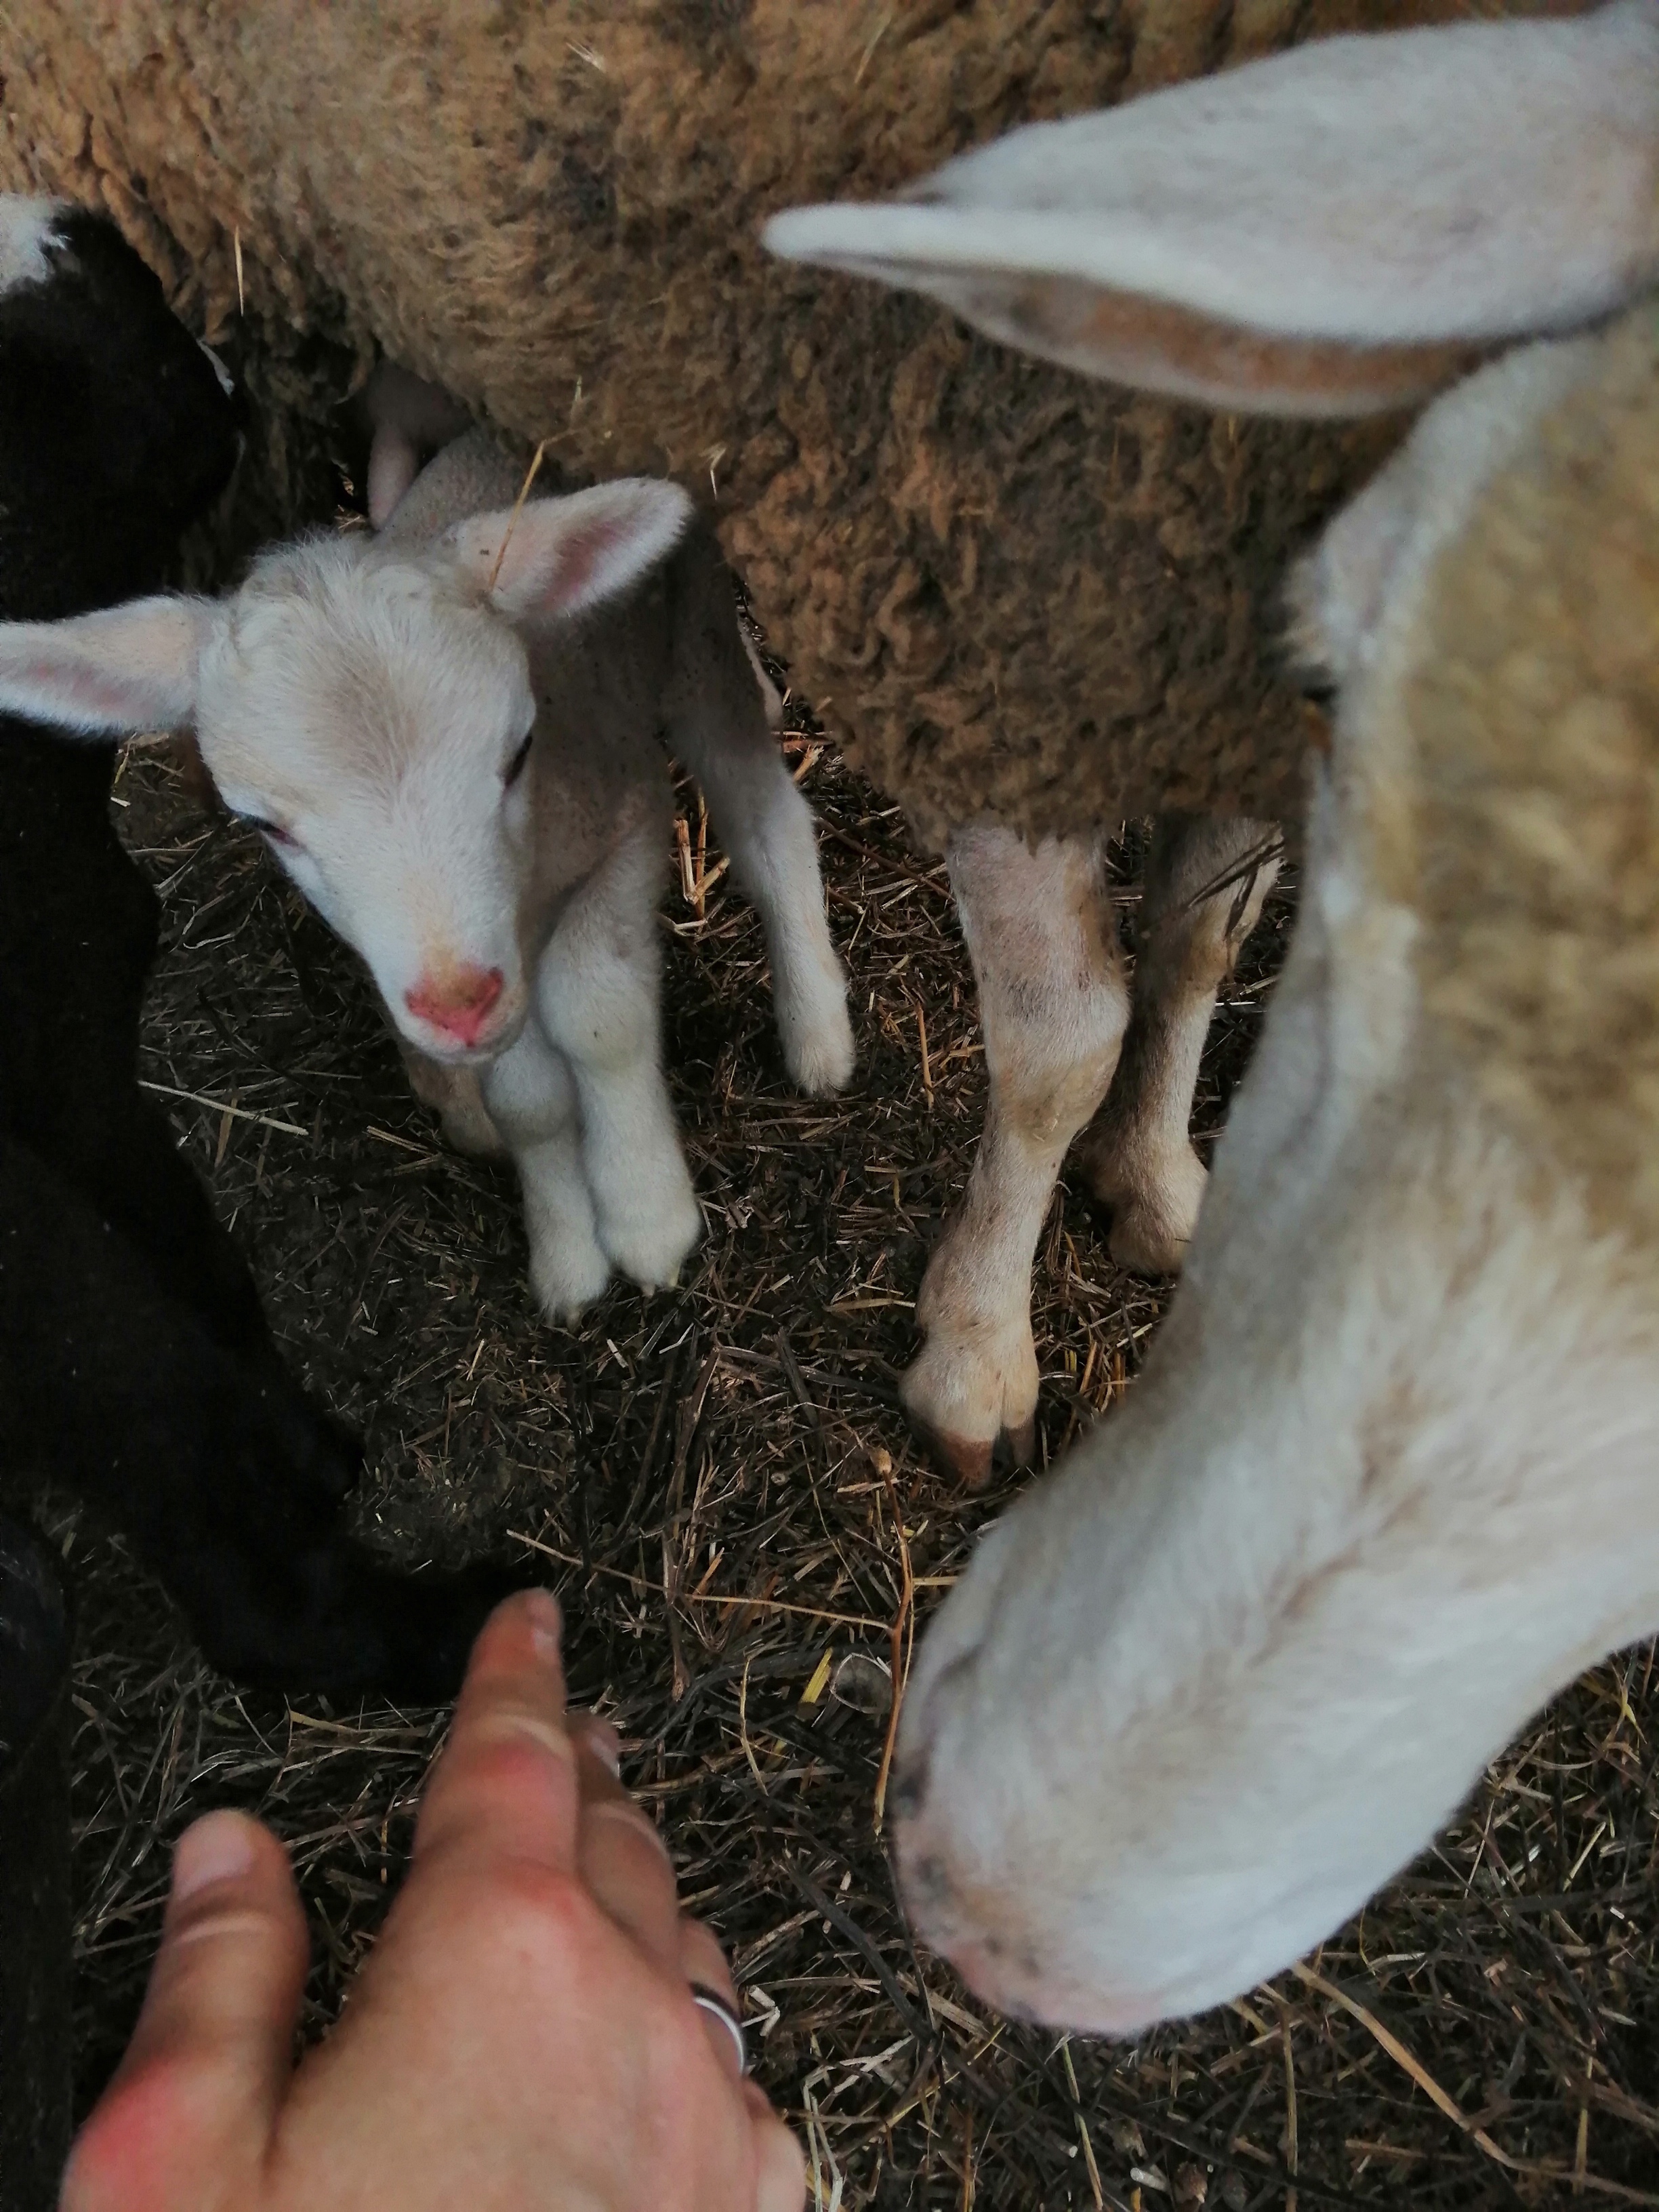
<point>1317,233</point>
<point>556,556</point>
<point>109,674</point>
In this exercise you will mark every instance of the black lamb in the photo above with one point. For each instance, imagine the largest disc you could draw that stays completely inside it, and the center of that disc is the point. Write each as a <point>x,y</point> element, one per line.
<point>136,1365</point>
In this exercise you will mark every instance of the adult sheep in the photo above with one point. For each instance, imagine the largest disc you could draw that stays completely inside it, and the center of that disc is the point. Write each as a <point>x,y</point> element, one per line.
<point>552,213</point>
<point>1389,1478</point>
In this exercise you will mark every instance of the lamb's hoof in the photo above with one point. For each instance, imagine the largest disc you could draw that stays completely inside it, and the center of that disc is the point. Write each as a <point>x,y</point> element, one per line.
<point>652,1253</point>
<point>820,1054</point>
<point>968,1392</point>
<point>567,1281</point>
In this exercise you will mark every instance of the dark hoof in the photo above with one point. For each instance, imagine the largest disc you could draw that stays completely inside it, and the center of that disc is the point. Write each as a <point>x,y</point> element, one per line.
<point>965,1458</point>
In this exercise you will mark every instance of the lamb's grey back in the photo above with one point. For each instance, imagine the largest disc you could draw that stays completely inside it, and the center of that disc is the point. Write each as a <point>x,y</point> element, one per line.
<point>476,474</point>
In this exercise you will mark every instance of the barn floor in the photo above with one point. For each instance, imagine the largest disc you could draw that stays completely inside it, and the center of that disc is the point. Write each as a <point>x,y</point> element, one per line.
<point>717,1483</point>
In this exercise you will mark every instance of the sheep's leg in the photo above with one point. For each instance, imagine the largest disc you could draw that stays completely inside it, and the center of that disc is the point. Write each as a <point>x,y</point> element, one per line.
<point>529,1094</point>
<point>1206,883</point>
<point>719,726</point>
<point>1041,936</point>
<point>596,993</point>
<point>456,1096</point>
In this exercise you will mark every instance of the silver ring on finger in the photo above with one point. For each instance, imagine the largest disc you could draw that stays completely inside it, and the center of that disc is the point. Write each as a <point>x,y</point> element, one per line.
<point>711,2002</point>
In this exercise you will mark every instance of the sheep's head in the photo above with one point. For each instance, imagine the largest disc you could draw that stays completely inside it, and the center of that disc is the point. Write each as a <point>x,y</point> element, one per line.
<point>1386,1481</point>
<point>371,713</point>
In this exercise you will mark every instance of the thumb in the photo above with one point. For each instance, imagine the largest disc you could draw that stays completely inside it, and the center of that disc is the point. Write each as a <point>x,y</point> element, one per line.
<point>184,2124</point>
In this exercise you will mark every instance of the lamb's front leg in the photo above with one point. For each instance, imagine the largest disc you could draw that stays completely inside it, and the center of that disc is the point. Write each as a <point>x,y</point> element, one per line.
<point>531,1096</point>
<point>1206,882</point>
<point>598,990</point>
<point>1040,931</point>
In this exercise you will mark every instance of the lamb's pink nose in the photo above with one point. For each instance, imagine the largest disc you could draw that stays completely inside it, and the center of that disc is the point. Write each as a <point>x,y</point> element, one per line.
<point>458,1003</point>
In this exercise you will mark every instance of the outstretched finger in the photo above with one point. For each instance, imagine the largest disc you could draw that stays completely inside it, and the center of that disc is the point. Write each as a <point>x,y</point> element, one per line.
<point>622,1858</point>
<point>505,1786</point>
<point>192,2105</point>
<point>780,2168</point>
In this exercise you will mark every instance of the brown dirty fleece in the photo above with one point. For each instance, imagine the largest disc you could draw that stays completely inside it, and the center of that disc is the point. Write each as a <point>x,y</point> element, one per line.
<point>1533,856</point>
<point>1006,591</point>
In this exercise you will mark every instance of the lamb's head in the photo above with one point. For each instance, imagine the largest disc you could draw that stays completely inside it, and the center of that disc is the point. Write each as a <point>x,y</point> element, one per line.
<point>372,720</point>
<point>1387,1480</point>
<point>371,713</point>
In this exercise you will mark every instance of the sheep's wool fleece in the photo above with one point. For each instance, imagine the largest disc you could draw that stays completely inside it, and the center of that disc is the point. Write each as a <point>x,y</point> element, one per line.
<point>1007,591</point>
<point>1530,843</point>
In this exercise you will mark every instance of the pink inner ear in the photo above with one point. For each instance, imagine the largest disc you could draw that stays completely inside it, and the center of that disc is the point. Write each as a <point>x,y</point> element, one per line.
<point>84,687</point>
<point>578,558</point>
<point>70,687</point>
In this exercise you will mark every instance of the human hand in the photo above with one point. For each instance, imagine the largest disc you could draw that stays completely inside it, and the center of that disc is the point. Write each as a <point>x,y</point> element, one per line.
<point>522,2036</point>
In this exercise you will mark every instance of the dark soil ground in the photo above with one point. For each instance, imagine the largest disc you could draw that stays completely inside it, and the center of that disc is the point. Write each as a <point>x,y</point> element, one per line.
<point>714,1479</point>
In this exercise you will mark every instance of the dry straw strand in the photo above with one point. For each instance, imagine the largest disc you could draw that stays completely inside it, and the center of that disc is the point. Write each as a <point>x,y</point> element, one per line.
<point>529,475</point>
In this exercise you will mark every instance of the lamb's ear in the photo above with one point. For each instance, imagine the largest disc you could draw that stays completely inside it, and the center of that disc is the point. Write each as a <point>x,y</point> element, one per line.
<point>559,555</point>
<point>1320,233</point>
<point>109,674</point>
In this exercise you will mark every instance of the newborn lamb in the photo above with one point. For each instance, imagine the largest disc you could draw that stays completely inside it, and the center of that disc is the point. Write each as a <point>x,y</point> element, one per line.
<point>448,733</point>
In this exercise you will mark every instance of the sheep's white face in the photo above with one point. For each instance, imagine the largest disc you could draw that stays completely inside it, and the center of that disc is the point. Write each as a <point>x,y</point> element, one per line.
<point>1387,1486</point>
<point>374,722</point>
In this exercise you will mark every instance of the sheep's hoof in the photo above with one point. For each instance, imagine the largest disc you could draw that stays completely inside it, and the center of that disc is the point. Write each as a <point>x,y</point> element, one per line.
<point>816,1029</point>
<point>966,1458</point>
<point>972,1460</point>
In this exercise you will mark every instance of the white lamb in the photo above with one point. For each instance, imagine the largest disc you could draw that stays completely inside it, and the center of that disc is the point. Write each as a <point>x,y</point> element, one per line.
<point>448,733</point>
